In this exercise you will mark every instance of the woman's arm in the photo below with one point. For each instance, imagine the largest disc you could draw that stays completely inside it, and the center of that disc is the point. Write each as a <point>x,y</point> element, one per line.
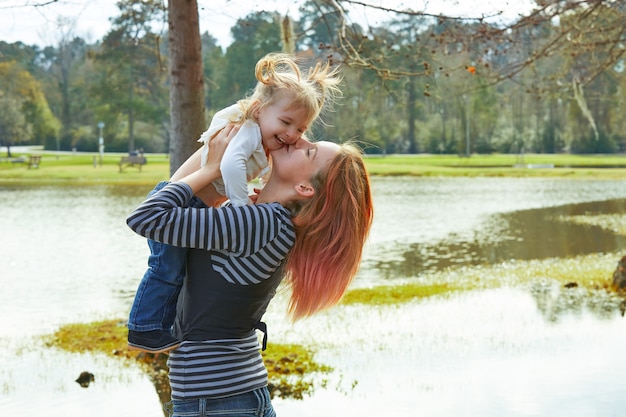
<point>162,216</point>
<point>242,231</point>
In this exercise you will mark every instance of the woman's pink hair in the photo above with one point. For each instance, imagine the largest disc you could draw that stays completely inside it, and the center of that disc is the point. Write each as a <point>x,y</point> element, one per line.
<point>331,230</point>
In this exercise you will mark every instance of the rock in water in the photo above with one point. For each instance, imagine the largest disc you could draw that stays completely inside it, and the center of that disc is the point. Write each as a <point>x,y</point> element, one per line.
<point>619,276</point>
<point>85,378</point>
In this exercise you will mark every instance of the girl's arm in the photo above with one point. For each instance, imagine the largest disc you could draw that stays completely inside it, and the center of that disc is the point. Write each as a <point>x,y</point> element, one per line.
<point>198,179</point>
<point>233,166</point>
<point>190,165</point>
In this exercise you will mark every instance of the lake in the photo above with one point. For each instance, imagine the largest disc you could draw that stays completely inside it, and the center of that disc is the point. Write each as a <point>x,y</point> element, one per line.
<point>67,256</point>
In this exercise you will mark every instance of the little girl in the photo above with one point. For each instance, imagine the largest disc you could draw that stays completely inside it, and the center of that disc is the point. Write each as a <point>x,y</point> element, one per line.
<point>282,106</point>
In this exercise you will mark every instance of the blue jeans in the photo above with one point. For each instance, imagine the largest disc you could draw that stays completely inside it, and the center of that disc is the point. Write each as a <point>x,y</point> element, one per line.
<point>154,307</point>
<point>250,404</point>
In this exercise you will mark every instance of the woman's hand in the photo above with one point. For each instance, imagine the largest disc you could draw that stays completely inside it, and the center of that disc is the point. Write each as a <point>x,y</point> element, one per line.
<point>217,147</point>
<point>254,197</point>
<point>211,171</point>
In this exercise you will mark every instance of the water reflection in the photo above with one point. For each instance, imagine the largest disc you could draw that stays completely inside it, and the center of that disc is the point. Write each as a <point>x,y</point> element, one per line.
<point>520,235</point>
<point>554,303</point>
<point>486,353</point>
<point>68,256</point>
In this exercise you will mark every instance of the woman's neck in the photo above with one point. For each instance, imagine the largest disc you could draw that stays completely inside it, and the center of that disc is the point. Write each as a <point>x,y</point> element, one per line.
<point>274,192</point>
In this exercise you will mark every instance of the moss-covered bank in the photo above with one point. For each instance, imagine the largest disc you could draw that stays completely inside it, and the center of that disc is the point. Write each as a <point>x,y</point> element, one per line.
<point>290,367</point>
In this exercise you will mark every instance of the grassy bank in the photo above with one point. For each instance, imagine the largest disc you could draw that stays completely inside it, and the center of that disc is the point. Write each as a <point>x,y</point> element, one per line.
<point>86,168</point>
<point>289,366</point>
<point>586,272</point>
<point>559,165</point>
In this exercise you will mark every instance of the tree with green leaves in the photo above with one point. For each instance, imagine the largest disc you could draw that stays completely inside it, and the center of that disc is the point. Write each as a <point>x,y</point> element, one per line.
<point>253,37</point>
<point>419,82</point>
<point>213,66</point>
<point>587,37</point>
<point>320,23</point>
<point>26,116</point>
<point>14,128</point>
<point>132,71</point>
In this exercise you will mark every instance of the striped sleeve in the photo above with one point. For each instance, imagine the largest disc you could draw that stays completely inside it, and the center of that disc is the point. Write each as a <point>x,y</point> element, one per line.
<point>161,216</point>
<point>262,231</point>
<point>265,238</point>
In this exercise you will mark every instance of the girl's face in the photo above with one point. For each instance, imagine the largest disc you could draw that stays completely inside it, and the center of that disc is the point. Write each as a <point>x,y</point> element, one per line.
<point>301,161</point>
<point>281,125</point>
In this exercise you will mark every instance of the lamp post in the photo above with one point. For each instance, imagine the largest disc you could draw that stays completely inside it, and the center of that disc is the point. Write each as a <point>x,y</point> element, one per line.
<point>467,124</point>
<point>101,141</point>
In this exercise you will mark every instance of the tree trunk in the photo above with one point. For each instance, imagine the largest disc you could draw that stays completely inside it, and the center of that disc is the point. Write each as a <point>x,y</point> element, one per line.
<point>412,116</point>
<point>65,64</point>
<point>186,81</point>
<point>131,113</point>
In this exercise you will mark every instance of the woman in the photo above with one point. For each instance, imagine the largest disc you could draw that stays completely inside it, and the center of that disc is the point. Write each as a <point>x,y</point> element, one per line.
<point>285,101</point>
<point>309,224</point>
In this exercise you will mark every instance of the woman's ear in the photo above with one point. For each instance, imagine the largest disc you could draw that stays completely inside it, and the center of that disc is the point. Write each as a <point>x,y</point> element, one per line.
<point>305,190</point>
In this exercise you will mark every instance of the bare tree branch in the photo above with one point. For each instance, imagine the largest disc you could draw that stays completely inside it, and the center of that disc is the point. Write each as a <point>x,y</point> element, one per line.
<point>37,4</point>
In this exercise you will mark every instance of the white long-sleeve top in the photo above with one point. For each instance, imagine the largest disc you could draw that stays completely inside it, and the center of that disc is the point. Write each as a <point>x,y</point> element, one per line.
<point>244,158</point>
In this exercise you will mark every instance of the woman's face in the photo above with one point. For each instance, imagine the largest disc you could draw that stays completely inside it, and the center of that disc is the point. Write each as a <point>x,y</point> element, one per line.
<point>302,160</point>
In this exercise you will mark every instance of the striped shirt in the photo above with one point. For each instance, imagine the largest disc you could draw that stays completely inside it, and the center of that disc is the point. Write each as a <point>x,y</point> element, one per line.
<point>216,368</point>
<point>247,244</point>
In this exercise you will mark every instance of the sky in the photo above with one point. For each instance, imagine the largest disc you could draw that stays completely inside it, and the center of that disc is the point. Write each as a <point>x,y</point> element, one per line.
<point>23,20</point>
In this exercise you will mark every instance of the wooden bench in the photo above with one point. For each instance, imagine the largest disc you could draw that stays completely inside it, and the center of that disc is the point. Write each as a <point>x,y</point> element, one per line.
<point>131,161</point>
<point>34,161</point>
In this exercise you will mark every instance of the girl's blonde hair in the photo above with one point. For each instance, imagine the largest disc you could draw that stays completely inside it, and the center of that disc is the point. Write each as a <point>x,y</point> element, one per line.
<point>331,230</point>
<point>280,76</point>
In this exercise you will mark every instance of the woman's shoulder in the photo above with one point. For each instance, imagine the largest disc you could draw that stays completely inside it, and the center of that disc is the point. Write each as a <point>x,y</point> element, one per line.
<point>272,209</point>
<point>279,208</point>
<point>276,209</point>
<point>267,221</point>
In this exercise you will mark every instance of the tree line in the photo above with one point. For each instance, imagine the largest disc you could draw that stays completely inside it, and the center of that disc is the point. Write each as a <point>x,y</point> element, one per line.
<point>416,84</point>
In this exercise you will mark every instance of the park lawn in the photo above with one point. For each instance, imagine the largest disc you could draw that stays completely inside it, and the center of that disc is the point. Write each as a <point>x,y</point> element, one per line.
<point>533,165</point>
<point>86,168</point>
<point>109,337</point>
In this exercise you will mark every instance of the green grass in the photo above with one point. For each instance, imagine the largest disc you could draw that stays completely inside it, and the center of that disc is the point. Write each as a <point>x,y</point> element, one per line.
<point>589,272</point>
<point>610,166</point>
<point>80,168</point>
<point>85,169</point>
<point>395,294</point>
